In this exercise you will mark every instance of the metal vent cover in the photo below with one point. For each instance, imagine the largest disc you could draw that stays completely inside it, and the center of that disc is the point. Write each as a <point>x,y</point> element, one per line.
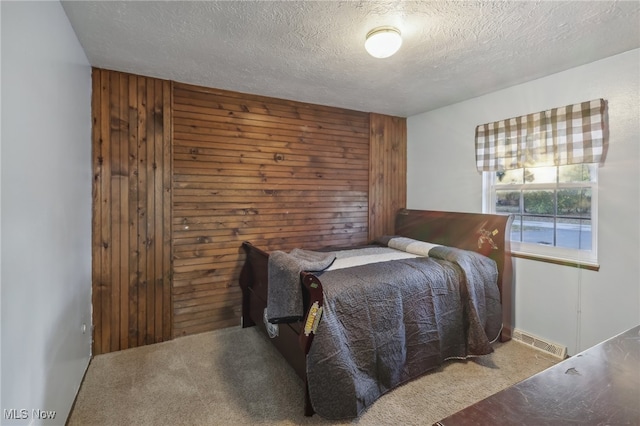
<point>529,339</point>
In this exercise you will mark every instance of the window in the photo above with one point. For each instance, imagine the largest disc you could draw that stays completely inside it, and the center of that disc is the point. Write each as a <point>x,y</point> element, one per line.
<point>554,210</point>
<point>542,168</point>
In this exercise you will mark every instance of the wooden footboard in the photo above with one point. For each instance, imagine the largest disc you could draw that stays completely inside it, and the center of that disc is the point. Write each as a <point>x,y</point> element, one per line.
<point>485,234</point>
<point>292,341</point>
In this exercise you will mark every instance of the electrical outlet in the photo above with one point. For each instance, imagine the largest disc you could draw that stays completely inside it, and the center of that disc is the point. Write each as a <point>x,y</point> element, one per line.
<point>84,328</point>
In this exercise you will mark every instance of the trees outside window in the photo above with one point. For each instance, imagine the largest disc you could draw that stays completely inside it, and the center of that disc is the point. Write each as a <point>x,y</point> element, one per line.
<point>554,209</point>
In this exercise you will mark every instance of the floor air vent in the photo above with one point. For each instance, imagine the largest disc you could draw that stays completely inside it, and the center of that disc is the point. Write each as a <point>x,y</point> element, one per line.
<point>538,343</point>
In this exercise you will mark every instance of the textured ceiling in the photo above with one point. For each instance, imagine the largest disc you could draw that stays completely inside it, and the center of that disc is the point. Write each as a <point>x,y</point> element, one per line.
<point>313,51</point>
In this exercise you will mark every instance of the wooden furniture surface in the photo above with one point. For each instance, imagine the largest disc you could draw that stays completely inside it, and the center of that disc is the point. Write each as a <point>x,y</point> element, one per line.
<point>600,386</point>
<point>485,234</point>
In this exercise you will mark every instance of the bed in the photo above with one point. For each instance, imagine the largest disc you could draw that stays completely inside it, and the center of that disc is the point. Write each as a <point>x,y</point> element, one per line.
<point>365,329</point>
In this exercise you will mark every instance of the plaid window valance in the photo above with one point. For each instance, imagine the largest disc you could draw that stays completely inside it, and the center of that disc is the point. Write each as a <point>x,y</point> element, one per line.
<point>572,134</point>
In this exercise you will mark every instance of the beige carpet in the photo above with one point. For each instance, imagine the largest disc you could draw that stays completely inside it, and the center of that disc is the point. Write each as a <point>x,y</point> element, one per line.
<point>236,377</point>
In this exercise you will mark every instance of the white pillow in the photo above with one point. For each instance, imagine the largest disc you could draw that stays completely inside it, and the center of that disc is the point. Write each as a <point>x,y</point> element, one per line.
<point>410,245</point>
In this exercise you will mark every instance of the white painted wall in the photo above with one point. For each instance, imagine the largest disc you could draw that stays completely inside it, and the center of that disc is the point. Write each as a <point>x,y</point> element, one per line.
<point>46,211</point>
<point>573,307</point>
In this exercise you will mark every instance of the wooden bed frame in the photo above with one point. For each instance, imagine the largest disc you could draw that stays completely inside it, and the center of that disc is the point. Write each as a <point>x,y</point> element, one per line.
<point>483,233</point>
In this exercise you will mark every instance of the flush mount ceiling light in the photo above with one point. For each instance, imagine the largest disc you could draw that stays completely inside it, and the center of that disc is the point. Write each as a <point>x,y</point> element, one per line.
<point>383,42</point>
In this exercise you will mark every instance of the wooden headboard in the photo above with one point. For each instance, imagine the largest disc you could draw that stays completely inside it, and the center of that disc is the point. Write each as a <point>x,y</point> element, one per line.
<point>487,234</point>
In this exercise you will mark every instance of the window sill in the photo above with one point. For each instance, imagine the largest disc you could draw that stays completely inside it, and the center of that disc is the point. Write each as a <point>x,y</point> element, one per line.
<point>557,261</point>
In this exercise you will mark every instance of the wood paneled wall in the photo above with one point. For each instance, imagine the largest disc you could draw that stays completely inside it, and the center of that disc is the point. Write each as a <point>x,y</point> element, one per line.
<point>183,174</point>
<point>131,210</point>
<point>388,172</point>
<point>278,173</point>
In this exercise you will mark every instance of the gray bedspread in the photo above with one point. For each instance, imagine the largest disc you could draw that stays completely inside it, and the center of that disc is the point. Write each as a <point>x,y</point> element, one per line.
<point>389,322</point>
<point>284,294</point>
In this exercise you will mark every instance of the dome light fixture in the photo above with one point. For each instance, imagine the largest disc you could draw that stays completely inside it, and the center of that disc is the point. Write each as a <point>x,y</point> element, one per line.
<point>383,42</point>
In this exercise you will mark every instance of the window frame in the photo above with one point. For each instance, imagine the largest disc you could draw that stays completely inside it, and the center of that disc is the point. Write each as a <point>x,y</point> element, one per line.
<point>587,259</point>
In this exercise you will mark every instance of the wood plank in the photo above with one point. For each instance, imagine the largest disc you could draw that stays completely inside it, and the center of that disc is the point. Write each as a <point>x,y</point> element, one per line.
<point>243,234</point>
<point>108,331</point>
<point>204,172</point>
<point>306,160</point>
<point>249,211</point>
<point>222,290</point>
<point>196,128</point>
<point>269,197</point>
<point>133,222</point>
<point>149,332</point>
<point>114,91</point>
<point>167,307</point>
<point>230,257</point>
<point>225,121</point>
<point>387,184</point>
<point>237,114</point>
<point>142,210</point>
<point>123,130</point>
<point>186,99</point>
<point>281,216</point>
<point>191,187</point>
<point>189,149</point>
<point>106,282</point>
<point>158,209</point>
<point>270,105</point>
<point>240,176</point>
<point>200,278</point>
<point>276,141</point>
<point>96,216</point>
<point>186,291</point>
<point>199,229</point>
